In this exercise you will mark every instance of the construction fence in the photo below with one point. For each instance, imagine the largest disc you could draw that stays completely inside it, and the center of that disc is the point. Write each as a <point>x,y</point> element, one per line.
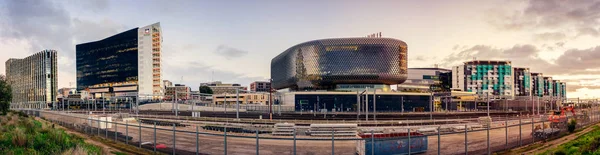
<point>207,138</point>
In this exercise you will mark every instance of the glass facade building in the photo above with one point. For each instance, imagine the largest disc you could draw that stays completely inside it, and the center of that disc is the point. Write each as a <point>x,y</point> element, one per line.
<point>323,64</point>
<point>34,78</point>
<point>126,64</point>
<point>108,62</point>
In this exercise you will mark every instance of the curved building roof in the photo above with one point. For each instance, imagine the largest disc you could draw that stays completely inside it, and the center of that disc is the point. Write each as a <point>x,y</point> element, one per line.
<point>321,64</point>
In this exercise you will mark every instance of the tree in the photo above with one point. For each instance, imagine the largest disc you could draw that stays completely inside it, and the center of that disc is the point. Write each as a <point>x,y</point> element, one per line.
<point>205,90</point>
<point>5,95</point>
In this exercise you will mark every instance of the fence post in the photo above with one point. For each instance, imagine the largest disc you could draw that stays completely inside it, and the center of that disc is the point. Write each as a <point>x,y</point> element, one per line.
<point>332,142</point>
<point>115,131</point>
<point>98,129</point>
<point>257,142</point>
<point>154,137</point>
<point>140,134</point>
<point>126,132</point>
<point>466,144</point>
<point>106,128</point>
<point>408,133</point>
<point>532,131</point>
<point>372,143</point>
<point>174,140</point>
<point>506,133</point>
<point>520,125</point>
<point>488,137</point>
<point>85,130</point>
<point>294,141</point>
<point>438,134</point>
<point>225,140</point>
<point>197,141</point>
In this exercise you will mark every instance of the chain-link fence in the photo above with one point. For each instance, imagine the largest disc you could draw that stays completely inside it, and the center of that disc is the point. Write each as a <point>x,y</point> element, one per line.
<point>203,137</point>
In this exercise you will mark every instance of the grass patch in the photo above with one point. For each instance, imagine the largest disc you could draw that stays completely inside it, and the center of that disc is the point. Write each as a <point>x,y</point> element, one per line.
<point>21,134</point>
<point>588,143</point>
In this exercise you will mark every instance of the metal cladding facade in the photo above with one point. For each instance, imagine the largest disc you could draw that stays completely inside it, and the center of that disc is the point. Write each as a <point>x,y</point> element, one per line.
<point>321,64</point>
<point>34,78</point>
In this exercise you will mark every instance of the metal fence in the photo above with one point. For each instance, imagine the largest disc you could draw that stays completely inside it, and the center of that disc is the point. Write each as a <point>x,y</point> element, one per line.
<point>176,138</point>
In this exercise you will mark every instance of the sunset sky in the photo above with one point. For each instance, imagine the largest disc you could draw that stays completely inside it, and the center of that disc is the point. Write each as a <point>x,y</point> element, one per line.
<point>237,39</point>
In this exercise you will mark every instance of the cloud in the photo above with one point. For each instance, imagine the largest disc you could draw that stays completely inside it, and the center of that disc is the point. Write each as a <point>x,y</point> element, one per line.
<point>519,54</point>
<point>45,24</point>
<point>195,72</point>
<point>229,52</point>
<point>557,16</point>
<point>588,31</point>
<point>551,36</point>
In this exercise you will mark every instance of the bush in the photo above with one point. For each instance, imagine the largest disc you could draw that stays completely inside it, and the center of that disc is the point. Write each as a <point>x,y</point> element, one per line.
<point>19,138</point>
<point>572,125</point>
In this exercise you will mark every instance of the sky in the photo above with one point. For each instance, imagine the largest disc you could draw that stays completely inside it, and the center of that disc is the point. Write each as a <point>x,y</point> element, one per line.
<point>234,41</point>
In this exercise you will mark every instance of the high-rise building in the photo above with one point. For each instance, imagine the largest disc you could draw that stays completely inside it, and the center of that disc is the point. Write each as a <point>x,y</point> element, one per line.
<point>557,88</point>
<point>537,82</point>
<point>260,86</point>
<point>34,78</point>
<point>548,86</point>
<point>126,64</point>
<point>563,90</point>
<point>493,78</point>
<point>522,81</point>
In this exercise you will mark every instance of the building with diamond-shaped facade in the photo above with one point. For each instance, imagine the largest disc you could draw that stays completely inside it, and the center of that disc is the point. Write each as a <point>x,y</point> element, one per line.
<point>341,63</point>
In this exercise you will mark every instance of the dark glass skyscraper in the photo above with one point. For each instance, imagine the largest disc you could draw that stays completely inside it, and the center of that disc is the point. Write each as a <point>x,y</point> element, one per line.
<point>108,61</point>
<point>323,64</point>
<point>126,64</point>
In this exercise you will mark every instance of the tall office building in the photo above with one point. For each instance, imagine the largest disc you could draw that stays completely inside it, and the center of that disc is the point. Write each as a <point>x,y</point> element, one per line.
<point>563,90</point>
<point>522,81</point>
<point>126,64</point>
<point>537,82</point>
<point>494,78</point>
<point>548,86</point>
<point>557,87</point>
<point>34,78</point>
